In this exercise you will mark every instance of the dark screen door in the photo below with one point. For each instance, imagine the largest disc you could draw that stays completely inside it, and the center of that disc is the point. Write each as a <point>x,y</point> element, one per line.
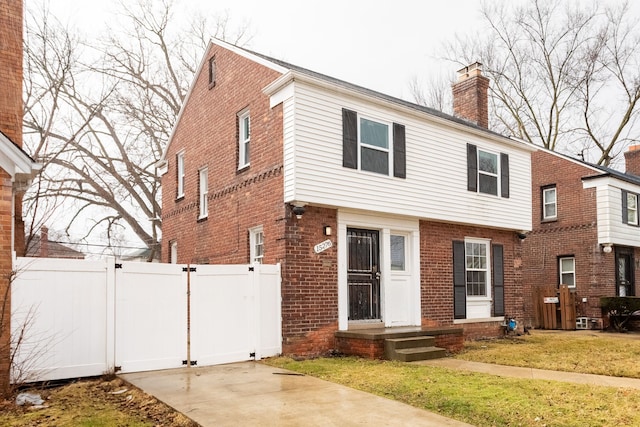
<point>363,274</point>
<point>624,272</point>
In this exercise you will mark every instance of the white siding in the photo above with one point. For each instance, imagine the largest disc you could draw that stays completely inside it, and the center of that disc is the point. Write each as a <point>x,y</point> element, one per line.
<point>611,229</point>
<point>436,183</point>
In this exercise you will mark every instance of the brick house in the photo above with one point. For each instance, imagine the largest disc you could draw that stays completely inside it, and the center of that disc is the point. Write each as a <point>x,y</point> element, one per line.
<point>585,231</point>
<point>370,203</point>
<point>41,247</point>
<point>16,167</point>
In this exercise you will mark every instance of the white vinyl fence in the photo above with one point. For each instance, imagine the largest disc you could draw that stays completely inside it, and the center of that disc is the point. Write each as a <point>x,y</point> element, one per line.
<point>84,318</point>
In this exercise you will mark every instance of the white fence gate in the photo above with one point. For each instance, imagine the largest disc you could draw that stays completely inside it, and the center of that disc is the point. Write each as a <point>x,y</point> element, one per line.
<point>84,318</point>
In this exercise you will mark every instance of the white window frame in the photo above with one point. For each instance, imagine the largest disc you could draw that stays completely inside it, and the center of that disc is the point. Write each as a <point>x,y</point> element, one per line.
<point>486,173</point>
<point>388,150</point>
<point>244,139</point>
<point>546,191</point>
<point>562,272</point>
<point>173,252</point>
<point>632,213</point>
<point>203,192</point>
<point>180,174</point>
<point>256,239</point>
<point>487,269</point>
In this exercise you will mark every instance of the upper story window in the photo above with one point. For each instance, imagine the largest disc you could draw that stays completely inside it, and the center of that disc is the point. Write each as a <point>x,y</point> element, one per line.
<point>629,208</point>
<point>180,175</point>
<point>244,139</point>
<point>487,172</point>
<point>549,203</point>
<point>373,145</point>
<point>203,192</point>
<point>212,72</point>
<point>256,242</point>
<point>567,268</point>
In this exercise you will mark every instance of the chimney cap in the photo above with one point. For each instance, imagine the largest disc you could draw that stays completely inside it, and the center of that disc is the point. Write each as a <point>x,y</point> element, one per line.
<point>470,70</point>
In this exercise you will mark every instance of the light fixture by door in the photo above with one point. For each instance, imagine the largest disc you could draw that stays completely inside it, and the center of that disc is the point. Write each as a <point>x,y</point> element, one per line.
<point>326,230</point>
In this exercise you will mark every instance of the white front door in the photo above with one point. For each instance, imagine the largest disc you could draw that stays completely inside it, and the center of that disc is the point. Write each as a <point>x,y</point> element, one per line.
<point>398,273</point>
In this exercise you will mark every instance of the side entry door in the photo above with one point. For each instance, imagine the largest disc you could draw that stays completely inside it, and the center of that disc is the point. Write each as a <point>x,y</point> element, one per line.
<point>363,274</point>
<point>625,283</point>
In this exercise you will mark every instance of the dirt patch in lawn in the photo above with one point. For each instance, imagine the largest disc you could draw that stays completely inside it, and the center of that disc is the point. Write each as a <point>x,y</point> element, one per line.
<point>103,402</point>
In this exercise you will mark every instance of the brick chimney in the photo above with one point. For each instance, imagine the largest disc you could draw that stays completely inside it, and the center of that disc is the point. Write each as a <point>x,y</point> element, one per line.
<point>632,160</point>
<point>470,95</point>
<point>44,242</point>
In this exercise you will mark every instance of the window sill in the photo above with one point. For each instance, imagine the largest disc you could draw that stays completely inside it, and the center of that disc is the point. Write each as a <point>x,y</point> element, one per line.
<point>202,219</point>
<point>244,168</point>
<point>179,198</point>
<point>548,220</point>
<point>479,320</point>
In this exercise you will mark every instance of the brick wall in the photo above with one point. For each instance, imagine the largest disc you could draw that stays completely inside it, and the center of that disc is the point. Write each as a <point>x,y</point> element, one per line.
<point>238,199</point>
<point>310,284</point>
<point>436,254</point>
<point>11,126</point>
<point>574,232</point>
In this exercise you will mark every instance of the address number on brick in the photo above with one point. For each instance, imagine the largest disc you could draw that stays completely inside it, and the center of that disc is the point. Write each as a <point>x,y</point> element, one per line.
<point>321,247</point>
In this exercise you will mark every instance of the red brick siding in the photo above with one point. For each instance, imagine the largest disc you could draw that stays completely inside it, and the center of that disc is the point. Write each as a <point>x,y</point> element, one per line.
<point>238,200</point>
<point>573,233</point>
<point>436,262</point>
<point>11,125</point>
<point>310,284</point>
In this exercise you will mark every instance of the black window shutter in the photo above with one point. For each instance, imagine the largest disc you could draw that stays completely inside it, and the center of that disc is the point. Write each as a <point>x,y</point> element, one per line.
<point>504,175</point>
<point>459,282</point>
<point>349,139</point>
<point>498,279</point>
<point>399,153</point>
<point>625,217</point>
<point>472,168</point>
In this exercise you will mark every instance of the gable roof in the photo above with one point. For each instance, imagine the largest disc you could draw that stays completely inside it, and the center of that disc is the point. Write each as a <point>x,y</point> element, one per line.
<point>601,171</point>
<point>290,70</point>
<point>52,250</point>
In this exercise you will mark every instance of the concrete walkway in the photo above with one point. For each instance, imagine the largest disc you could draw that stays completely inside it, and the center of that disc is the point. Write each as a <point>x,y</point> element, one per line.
<point>538,374</point>
<point>250,393</point>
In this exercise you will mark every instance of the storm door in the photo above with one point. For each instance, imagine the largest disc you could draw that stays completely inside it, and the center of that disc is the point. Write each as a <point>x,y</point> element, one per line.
<point>363,274</point>
<point>624,272</point>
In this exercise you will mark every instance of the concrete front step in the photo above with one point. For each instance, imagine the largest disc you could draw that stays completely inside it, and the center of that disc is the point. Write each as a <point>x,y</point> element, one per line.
<point>410,349</point>
<point>409,342</point>
<point>418,353</point>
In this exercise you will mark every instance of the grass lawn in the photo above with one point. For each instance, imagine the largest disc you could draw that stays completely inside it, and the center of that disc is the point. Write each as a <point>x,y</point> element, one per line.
<point>486,400</point>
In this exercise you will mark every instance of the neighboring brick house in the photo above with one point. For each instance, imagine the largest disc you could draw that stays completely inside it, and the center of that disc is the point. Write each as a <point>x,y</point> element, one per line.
<point>585,231</point>
<point>41,247</point>
<point>382,213</point>
<point>16,167</point>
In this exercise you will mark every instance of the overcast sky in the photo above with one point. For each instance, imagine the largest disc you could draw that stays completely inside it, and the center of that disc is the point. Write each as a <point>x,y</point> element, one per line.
<point>378,44</point>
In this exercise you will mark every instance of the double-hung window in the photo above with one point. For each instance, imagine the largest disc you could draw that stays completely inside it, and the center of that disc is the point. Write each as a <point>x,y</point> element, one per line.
<point>244,139</point>
<point>203,179</point>
<point>549,203</point>
<point>373,145</point>
<point>477,268</point>
<point>629,208</point>
<point>567,267</point>
<point>256,242</point>
<point>180,175</point>
<point>487,172</point>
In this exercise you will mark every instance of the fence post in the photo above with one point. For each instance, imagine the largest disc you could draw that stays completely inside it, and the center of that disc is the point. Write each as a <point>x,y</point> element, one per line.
<point>110,309</point>
<point>254,279</point>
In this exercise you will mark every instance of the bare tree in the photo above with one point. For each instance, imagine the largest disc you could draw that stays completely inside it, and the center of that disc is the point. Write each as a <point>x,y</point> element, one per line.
<point>565,75</point>
<point>98,114</point>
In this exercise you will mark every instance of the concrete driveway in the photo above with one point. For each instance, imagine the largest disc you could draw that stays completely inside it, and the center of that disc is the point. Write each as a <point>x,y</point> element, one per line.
<point>250,393</point>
